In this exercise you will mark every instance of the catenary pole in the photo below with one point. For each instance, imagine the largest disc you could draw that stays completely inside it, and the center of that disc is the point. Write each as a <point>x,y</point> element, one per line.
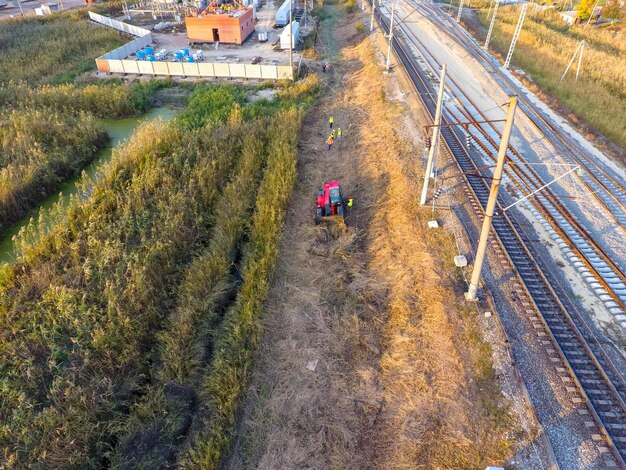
<point>435,137</point>
<point>393,13</point>
<point>291,36</point>
<point>493,20</point>
<point>372,17</point>
<point>471,294</point>
<point>580,59</point>
<point>458,16</point>
<point>518,29</point>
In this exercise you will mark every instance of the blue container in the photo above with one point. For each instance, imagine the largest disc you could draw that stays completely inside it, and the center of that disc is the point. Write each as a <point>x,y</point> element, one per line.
<point>149,50</point>
<point>151,58</point>
<point>178,55</point>
<point>190,59</point>
<point>141,55</point>
<point>185,51</point>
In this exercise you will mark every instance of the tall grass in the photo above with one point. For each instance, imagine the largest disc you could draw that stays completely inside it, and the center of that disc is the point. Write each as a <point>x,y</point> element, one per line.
<point>52,49</point>
<point>543,50</point>
<point>39,149</point>
<point>49,133</point>
<point>94,305</point>
<point>108,99</point>
<point>237,337</point>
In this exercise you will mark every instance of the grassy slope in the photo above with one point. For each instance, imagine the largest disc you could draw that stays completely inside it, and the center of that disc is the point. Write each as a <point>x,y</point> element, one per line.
<point>544,48</point>
<point>52,49</point>
<point>81,310</point>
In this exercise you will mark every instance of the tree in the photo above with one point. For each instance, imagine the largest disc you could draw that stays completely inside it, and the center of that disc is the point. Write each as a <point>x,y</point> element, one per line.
<point>612,10</point>
<point>585,8</point>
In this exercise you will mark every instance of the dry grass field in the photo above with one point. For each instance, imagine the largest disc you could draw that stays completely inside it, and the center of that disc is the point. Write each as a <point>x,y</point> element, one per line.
<point>597,101</point>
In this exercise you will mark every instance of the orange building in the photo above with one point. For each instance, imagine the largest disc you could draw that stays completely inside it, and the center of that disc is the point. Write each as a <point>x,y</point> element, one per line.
<point>229,22</point>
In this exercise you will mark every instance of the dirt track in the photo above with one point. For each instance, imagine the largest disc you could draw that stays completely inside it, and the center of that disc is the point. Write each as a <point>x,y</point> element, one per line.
<point>371,310</point>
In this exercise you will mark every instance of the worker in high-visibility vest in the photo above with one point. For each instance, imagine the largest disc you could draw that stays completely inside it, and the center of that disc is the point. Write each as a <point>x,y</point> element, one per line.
<point>330,121</point>
<point>339,132</point>
<point>349,201</point>
<point>332,134</point>
<point>329,142</point>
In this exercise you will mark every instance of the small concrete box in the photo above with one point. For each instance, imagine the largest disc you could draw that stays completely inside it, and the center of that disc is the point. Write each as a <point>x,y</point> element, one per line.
<point>460,262</point>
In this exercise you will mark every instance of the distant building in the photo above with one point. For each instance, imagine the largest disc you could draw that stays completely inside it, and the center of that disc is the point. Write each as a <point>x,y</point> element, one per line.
<point>227,21</point>
<point>570,17</point>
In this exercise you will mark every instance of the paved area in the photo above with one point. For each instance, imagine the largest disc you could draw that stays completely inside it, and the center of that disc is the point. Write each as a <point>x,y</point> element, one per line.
<point>175,38</point>
<point>28,7</point>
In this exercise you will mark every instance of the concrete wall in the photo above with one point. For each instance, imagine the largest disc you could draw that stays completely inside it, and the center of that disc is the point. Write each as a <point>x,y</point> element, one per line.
<point>116,61</point>
<point>196,69</point>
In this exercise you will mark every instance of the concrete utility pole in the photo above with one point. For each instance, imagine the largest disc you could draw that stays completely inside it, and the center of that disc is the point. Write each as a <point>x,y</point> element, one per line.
<point>458,16</point>
<point>491,203</point>
<point>518,28</point>
<point>489,11</point>
<point>493,20</point>
<point>291,36</point>
<point>581,48</point>
<point>19,4</point>
<point>591,15</point>
<point>372,17</point>
<point>393,13</point>
<point>435,137</point>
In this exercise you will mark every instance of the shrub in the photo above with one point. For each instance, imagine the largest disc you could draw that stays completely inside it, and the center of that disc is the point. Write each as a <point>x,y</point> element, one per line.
<point>39,149</point>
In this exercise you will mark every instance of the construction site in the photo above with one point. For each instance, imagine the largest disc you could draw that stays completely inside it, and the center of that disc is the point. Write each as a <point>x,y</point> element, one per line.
<point>227,34</point>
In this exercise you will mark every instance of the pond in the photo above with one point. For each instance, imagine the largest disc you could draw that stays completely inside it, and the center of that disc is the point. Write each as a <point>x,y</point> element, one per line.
<point>119,130</point>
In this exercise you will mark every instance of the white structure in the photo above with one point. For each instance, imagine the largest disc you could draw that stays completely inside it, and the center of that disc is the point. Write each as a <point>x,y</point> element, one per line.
<point>569,17</point>
<point>282,14</point>
<point>286,37</point>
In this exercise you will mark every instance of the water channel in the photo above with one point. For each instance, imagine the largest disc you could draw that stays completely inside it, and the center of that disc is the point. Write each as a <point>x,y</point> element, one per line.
<point>119,130</point>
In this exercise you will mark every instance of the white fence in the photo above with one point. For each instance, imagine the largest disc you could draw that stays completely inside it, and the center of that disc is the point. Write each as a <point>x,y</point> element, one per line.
<point>119,25</point>
<point>116,61</point>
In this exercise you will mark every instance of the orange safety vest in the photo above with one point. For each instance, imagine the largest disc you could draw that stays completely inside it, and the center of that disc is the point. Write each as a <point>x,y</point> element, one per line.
<point>330,141</point>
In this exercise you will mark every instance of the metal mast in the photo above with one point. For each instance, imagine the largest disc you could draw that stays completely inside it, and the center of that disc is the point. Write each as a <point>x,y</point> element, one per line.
<point>518,29</point>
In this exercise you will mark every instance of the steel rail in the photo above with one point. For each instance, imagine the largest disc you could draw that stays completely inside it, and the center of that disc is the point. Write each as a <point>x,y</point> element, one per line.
<point>613,190</point>
<point>531,181</point>
<point>604,400</point>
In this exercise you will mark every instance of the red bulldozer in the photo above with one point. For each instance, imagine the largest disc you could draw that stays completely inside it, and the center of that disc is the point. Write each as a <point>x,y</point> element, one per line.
<point>331,205</point>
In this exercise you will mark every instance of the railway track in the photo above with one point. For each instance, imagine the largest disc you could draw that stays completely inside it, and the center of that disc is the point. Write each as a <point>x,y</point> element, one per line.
<point>598,379</point>
<point>609,280</point>
<point>607,190</point>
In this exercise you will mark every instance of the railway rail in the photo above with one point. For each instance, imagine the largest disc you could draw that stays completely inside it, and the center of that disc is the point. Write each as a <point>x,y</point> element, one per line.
<point>598,379</point>
<point>608,190</point>
<point>609,279</point>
